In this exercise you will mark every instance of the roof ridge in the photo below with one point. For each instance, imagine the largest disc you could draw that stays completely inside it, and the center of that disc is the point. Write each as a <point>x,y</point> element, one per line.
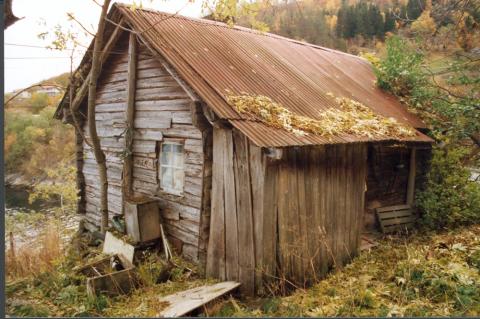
<point>240,28</point>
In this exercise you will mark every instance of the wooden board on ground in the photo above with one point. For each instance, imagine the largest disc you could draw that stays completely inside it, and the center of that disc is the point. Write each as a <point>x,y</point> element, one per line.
<point>396,218</point>
<point>181,303</point>
<point>114,245</point>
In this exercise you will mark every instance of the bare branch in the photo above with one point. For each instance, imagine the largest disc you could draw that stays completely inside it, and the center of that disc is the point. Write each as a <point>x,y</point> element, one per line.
<point>120,26</point>
<point>98,4</point>
<point>76,122</point>
<point>72,17</point>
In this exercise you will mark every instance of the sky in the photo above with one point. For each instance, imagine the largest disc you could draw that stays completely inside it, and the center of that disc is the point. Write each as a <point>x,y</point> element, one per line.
<point>27,61</point>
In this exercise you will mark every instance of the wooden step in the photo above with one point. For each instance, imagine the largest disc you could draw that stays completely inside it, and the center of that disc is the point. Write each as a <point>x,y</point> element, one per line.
<point>396,218</point>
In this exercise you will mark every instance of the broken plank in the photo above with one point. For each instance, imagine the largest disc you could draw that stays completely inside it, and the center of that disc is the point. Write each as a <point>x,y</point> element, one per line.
<point>181,303</point>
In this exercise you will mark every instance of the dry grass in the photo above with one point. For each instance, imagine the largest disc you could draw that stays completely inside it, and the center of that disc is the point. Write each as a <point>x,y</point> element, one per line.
<point>32,259</point>
<point>350,117</point>
<point>427,274</point>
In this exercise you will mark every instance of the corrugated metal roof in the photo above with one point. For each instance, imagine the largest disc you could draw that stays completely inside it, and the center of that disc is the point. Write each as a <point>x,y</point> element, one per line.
<point>213,57</point>
<point>267,136</point>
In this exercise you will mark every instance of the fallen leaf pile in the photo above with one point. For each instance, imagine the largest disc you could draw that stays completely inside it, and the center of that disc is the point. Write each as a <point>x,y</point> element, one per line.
<point>350,117</point>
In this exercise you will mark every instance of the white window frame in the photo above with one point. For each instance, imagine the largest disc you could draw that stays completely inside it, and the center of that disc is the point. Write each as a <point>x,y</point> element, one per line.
<point>171,166</point>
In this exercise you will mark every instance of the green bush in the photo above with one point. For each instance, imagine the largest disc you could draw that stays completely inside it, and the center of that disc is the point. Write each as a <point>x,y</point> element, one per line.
<point>450,199</point>
<point>400,72</point>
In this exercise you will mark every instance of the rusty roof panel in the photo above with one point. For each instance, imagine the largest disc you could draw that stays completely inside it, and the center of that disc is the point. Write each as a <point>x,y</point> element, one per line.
<point>213,57</point>
<point>266,136</point>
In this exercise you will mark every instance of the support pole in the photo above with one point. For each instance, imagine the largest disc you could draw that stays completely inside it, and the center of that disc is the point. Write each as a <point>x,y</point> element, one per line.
<point>129,116</point>
<point>411,177</point>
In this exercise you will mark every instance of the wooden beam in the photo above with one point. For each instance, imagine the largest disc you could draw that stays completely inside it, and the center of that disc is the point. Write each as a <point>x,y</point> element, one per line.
<point>130,115</point>
<point>79,150</point>
<point>411,177</point>
<point>82,92</point>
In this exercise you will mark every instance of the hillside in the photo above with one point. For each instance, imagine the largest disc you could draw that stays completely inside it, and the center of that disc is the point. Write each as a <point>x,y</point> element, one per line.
<point>34,141</point>
<point>353,26</point>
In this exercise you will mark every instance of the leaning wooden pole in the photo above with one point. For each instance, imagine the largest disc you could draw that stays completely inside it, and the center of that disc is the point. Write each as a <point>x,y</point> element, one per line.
<point>92,92</point>
<point>129,116</point>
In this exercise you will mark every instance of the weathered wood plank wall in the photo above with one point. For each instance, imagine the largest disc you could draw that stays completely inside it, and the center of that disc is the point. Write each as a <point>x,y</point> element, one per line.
<point>295,217</point>
<point>162,110</point>
<point>110,126</point>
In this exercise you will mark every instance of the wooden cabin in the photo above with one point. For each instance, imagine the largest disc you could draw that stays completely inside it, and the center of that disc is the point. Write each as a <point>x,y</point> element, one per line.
<point>247,201</point>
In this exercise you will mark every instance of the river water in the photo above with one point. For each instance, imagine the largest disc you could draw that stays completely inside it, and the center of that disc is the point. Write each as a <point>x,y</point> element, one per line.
<point>17,198</point>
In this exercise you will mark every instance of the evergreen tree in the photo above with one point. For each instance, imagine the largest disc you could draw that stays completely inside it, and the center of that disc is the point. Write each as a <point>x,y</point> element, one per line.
<point>361,12</point>
<point>350,23</point>
<point>415,8</point>
<point>389,25</point>
<point>340,27</point>
<point>377,22</point>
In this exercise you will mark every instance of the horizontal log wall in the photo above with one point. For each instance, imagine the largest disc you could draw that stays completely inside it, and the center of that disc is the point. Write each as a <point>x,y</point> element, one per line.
<point>111,140</point>
<point>295,218</point>
<point>162,110</point>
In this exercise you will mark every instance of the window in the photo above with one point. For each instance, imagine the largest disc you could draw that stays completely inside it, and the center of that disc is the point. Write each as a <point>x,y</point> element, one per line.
<point>171,169</point>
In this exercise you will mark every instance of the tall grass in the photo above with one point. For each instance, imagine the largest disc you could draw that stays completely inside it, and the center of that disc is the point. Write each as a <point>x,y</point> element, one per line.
<point>32,259</point>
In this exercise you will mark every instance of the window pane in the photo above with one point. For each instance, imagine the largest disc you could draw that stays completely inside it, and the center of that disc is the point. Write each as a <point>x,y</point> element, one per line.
<point>171,170</point>
<point>166,147</point>
<point>178,160</point>
<point>167,177</point>
<point>178,179</point>
<point>166,157</point>
<point>177,148</point>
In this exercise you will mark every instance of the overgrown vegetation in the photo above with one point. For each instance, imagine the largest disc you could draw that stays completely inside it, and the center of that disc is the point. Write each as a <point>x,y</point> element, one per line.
<point>449,104</point>
<point>30,260</point>
<point>450,198</point>
<point>446,98</point>
<point>423,275</point>
<point>55,289</point>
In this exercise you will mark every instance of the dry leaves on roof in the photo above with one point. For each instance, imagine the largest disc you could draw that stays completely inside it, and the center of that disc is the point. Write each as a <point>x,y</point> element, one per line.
<point>351,117</point>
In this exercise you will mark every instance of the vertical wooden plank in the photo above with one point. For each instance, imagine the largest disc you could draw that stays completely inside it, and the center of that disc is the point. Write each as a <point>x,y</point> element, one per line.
<point>282,215</point>
<point>231,230</point>
<point>320,208</point>
<point>303,253</point>
<point>349,199</point>
<point>330,189</point>
<point>293,224</point>
<point>411,177</point>
<point>342,212</point>
<point>246,257</point>
<point>362,189</point>
<point>130,115</point>
<point>313,240</point>
<point>257,174</point>
<point>216,243</point>
<point>270,207</point>
<point>207,144</point>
